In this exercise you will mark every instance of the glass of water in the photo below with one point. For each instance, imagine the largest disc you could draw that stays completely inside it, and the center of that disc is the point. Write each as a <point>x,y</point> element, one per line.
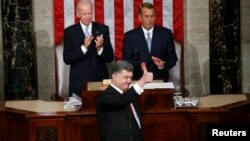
<point>67,103</point>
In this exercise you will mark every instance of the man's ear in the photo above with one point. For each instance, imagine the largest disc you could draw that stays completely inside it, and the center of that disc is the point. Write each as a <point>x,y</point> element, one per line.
<point>139,17</point>
<point>113,76</point>
<point>77,14</point>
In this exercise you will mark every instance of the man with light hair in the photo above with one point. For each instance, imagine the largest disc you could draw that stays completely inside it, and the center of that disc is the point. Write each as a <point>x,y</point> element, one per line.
<point>87,49</point>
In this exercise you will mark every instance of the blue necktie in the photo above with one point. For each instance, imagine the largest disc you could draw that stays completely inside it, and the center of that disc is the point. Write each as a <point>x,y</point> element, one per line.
<point>86,32</point>
<point>149,41</point>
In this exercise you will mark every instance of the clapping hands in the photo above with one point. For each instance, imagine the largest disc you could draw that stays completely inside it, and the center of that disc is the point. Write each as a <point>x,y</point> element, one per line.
<point>158,62</point>
<point>87,41</point>
<point>99,41</point>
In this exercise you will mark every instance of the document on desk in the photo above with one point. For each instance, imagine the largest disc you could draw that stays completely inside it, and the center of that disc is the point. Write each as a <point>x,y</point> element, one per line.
<point>75,100</point>
<point>159,85</point>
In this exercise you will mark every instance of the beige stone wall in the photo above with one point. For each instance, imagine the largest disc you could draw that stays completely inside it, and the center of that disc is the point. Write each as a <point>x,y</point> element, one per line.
<point>245,45</point>
<point>196,48</point>
<point>44,32</point>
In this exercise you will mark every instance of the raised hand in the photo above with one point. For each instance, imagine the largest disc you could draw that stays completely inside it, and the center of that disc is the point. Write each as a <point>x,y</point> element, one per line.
<point>146,77</point>
<point>158,62</point>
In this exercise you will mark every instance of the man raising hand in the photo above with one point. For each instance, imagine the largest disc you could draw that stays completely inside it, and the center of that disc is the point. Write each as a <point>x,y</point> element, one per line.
<point>146,77</point>
<point>117,109</point>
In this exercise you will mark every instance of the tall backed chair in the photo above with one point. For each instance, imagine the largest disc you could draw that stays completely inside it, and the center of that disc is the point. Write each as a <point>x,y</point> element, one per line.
<point>62,73</point>
<point>176,74</point>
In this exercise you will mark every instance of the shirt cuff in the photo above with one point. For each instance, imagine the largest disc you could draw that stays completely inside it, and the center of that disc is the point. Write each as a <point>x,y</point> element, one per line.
<point>84,49</point>
<point>160,68</point>
<point>138,89</point>
<point>100,51</point>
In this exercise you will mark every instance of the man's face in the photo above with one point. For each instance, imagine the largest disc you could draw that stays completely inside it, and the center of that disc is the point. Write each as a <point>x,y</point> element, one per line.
<point>147,18</point>
<point>85,14</point>
<point>122,79</point>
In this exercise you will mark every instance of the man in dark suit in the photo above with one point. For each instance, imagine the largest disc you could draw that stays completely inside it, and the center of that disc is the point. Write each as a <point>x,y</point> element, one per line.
<point>117,108</point>
<point>159,54</point>
<point>87,48</point>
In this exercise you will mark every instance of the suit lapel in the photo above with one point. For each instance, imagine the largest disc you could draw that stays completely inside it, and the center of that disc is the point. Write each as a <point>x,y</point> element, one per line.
<point>142,40</point>
<point>155,42</point>
<point>79,31</point>
<point>95,30</point>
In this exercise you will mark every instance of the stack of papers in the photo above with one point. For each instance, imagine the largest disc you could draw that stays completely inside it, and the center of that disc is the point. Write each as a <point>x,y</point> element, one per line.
<point>159,85</point>
<point>75,100</point>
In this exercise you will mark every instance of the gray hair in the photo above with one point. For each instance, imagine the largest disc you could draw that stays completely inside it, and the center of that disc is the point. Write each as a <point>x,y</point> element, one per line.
<point>84,2</point>
<point>121,65</point>
<point>146,5</point>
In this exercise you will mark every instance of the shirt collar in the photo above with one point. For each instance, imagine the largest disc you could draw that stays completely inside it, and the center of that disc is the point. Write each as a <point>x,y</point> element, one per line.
<point>146,31</point>
<point>116,88</point>
<point>84,26</point>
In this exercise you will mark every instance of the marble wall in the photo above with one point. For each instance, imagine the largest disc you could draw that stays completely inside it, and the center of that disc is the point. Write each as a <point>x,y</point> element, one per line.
<point>19,52</point>
<point>225,55</point>
<point>196,48</point>
<point>1,59</point>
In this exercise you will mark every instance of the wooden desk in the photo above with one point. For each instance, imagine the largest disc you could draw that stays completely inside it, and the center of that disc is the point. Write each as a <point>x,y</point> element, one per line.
<point>150,100</point>
<point>162,122</point>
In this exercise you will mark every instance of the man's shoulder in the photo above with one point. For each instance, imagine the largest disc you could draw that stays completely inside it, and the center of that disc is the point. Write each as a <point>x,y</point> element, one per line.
<point>133,31</point>
<point>97,24</point>
<point>109,90</point>
<point>162,28</point>
<point>72,27</point>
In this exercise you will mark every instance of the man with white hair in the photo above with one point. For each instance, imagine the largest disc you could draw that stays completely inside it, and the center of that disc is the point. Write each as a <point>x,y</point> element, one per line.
<point>87,49</point>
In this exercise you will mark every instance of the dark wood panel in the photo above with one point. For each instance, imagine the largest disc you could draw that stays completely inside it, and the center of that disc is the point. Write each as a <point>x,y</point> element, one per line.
<point>199,121</point>
<point>46,129</point>
<point>161,122</point>
<point>81,128</point>
<point>166,127</point>
<point>3,124</point>
<point>156,100</point>
<point>16,128</point>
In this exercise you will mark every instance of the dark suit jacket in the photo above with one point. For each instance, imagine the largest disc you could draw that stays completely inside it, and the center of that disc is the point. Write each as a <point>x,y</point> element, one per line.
<point>115,120</point>
<point>89,66</point>
<point>135,51</point>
